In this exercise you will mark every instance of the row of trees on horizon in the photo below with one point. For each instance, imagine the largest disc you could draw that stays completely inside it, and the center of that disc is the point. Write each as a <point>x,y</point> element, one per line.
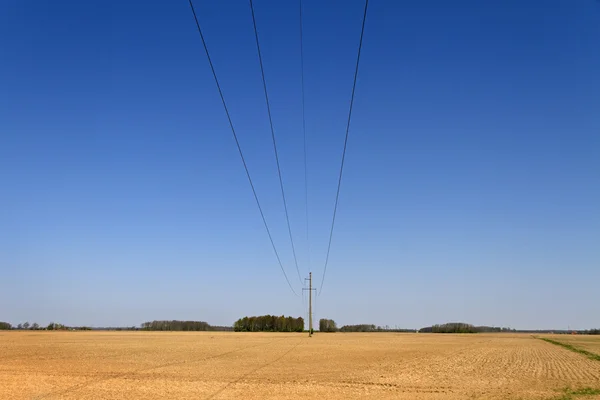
<point>451,327</point>
<point>52,326</point>
<point>269,323</point>
<point>272,323</point>
<point>175,325</point>
<point>461,327</point>
<point>329,325</point>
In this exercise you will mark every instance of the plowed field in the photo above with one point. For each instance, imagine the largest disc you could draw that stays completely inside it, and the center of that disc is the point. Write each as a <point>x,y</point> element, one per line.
<point>589,343</point>
<point>168,365</point>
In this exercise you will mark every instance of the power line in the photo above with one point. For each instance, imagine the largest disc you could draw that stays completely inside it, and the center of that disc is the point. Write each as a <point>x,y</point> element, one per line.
<point>262,71</point>
<point>337,196</point>
<point>239,148</point>
<point>304,135</point>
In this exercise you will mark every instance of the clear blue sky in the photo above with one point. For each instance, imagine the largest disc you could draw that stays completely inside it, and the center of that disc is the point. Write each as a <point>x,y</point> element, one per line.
<point>472,182</point>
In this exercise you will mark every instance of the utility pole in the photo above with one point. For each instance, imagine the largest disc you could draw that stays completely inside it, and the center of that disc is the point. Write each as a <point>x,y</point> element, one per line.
<point>310,316</point>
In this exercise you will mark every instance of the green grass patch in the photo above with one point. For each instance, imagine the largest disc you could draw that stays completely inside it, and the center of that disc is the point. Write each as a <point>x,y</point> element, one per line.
<point>585,392</point>
<point>588,354</point>
<point>570,394</point>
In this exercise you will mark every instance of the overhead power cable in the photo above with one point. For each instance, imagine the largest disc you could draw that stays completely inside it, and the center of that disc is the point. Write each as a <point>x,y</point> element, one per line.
<point>239,148</point>
<point>337,196</point>
<point>262,71</point>
<point>304,137</point>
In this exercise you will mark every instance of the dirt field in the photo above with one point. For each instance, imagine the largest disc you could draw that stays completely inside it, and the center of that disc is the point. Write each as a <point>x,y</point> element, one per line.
<point>168,365</point>
<point>584,342</point>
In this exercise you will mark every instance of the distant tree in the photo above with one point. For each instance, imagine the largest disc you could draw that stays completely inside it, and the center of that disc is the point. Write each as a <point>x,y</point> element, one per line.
<point>5,326</point>
<point>35,326</point>
<point>26,325</point>
<point>327,325</point>
<point>53,326</point>
<point>20,326</point>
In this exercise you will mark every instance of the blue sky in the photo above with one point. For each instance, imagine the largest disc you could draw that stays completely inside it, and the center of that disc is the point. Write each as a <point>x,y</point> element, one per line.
<point>472,182</point>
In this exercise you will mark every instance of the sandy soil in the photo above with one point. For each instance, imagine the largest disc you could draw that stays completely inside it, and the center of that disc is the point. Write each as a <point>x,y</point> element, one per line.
<point>169,365</point>
<point>590,343</point>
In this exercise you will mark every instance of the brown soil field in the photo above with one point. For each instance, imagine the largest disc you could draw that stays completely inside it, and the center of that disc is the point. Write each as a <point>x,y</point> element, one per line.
<point>207,365</point>
<point>590,343</point>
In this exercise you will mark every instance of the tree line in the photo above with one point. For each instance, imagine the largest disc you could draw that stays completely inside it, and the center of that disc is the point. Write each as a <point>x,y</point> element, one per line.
<point>372,328</point>
<point>327,325</point>
<point>52,326</point>
<point>451,327</point>
<point>484,328</point>
<point>461,327</point>
<point>175,325</point>
<point>358,328</point>
<point>269,323</point>
<point>34,327</point>
<point>590,332</point>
